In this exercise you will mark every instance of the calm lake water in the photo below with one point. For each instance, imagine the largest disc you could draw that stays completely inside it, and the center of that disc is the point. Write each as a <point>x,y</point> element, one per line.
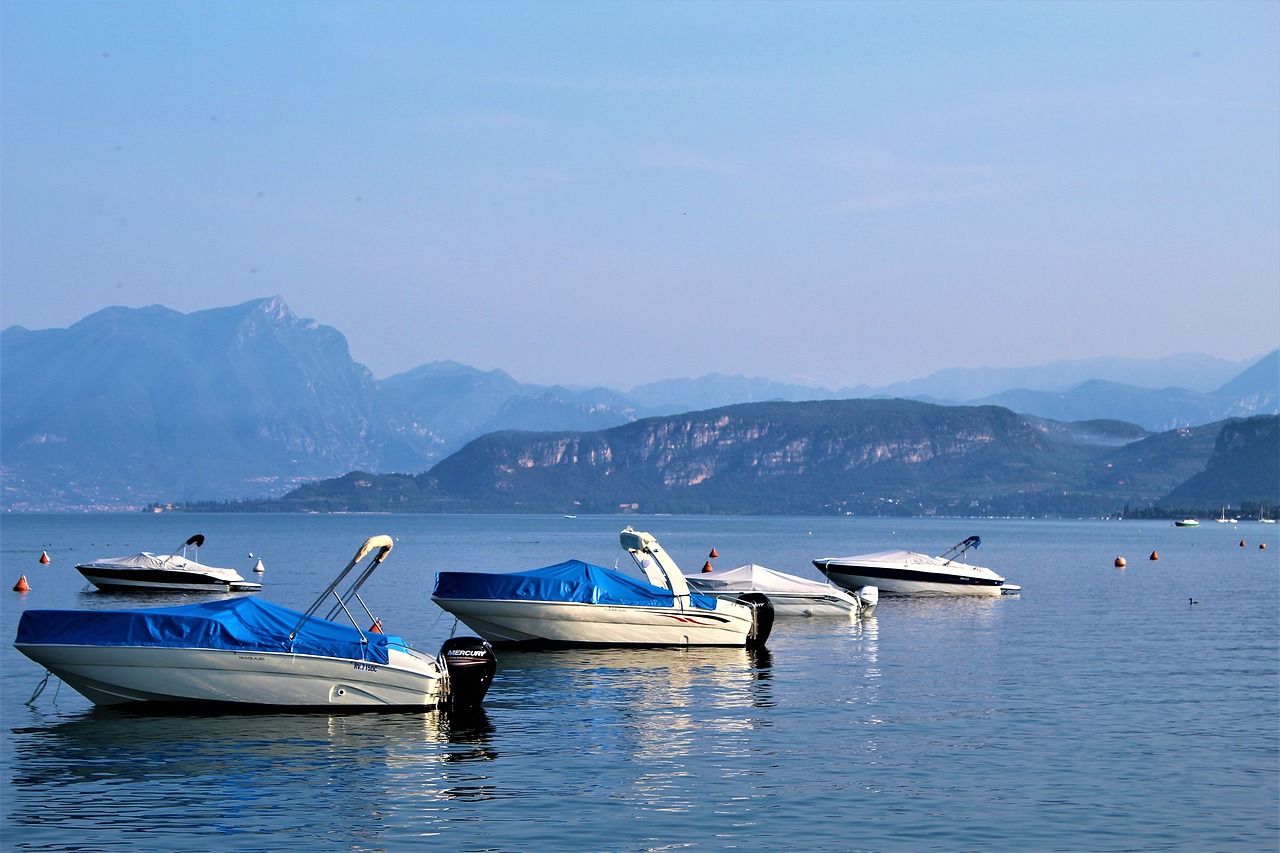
<point>1096,711</point>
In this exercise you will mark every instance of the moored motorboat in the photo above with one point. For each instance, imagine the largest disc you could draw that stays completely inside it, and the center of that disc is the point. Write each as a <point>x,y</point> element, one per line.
<point>910,573</point>
<point>790,595</point>
<point>164,572</point>
<point>242,653</point>
<point>579,604</point>
<point>1186,522</point>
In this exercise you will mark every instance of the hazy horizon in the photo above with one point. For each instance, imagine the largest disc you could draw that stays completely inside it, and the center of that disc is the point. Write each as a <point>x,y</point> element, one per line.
<point>827,194</point>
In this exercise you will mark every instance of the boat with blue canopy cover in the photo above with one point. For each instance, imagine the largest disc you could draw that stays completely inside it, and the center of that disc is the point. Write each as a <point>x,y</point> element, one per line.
<point>570,581</point>
<point>233,624</point>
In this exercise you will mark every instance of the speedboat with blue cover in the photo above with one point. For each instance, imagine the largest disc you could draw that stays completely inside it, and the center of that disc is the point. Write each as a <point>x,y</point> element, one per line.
<point>247,654</point>
<point>909,573</point>
<point>164,572</point>
<point>580,604</point>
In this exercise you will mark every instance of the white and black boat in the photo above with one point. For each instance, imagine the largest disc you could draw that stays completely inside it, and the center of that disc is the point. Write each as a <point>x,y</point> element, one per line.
<point>910,573</point>
<point>240,653</point>
<point>164,572</point>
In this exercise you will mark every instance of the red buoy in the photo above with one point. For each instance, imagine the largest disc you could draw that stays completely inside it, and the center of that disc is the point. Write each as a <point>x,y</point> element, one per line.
<point>1154,555</point>
<point>44,557</point>
<point>22,585</point>
<point>1120,563</point>
<point>706,567</point>
<point>714,554</point>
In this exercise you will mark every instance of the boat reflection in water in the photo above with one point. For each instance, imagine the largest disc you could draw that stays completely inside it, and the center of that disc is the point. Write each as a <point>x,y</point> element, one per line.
<point>650,705</point>
<point>336,765</point>
<point>706,676</point>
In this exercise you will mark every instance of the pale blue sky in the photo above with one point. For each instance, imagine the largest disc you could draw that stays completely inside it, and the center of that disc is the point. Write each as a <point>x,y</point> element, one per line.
<point>615,193</point>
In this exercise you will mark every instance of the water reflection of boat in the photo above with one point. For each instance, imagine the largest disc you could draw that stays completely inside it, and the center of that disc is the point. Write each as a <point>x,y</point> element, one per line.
<point>251,655</point>
<point>633,678</point>
<point>396,752</point>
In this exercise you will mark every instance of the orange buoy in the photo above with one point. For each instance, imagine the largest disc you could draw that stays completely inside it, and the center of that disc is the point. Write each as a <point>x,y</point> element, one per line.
<point>1241,543</point>
<point>1262,545</point>
<point>1154,555</point>
<point>22,585</point>
<point>1120,563</point>
<point>714,554</point>
<point>706,567</point>
<point>44,557</point>
<point>376,627</point>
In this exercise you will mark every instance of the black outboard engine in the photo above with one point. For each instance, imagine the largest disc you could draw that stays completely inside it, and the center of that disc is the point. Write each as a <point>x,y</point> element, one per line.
<point>471,664</point>
<point>761,620</point>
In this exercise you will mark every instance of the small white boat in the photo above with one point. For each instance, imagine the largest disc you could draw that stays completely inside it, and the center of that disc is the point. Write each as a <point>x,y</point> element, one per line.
<point>166,572</point>
<point>790,595</point>
<point>579,604</point>
<point>909,573</point>
<point>241,653</point>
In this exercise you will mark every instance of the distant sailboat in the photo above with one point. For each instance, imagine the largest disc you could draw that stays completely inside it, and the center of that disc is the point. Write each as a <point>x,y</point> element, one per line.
<point>1224,520</point>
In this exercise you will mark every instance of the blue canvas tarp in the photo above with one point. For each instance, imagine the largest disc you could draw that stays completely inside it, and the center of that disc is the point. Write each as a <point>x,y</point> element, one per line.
<point>241,623</point>
<point>572,580</point>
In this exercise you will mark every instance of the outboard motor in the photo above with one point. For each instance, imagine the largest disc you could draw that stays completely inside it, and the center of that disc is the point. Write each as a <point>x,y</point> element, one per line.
<point>471,664</point>
<point>761,618</point>
<point>869,596</point>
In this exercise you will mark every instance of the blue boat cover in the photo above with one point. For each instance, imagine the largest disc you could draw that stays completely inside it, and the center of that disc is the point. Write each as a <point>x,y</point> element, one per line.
<point>572,580</point>
<point>241,623</point>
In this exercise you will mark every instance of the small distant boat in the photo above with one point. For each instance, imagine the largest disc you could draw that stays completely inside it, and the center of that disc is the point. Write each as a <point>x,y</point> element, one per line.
<point>1186,522</point>
<point>1224,520</point>
<point>579,604</point>
<point>241,653</point>
<point>168,572</point>
<point>910,573</point>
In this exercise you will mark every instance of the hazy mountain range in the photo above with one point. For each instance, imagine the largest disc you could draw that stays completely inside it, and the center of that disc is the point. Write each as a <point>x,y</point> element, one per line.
<point>132,406</point>
<point>860,457</point>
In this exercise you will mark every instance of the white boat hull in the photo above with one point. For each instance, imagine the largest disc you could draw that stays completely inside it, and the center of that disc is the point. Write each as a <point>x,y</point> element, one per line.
<point>576,623</point>
<point>792,604</point>
<point>113,675</point>
<point>164,574</point>
<point>900,586</point>
<point>909,573</point>
<point>176,581</point>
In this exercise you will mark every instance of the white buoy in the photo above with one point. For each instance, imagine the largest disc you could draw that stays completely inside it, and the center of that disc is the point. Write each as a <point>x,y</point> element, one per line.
<point>259,568</point>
